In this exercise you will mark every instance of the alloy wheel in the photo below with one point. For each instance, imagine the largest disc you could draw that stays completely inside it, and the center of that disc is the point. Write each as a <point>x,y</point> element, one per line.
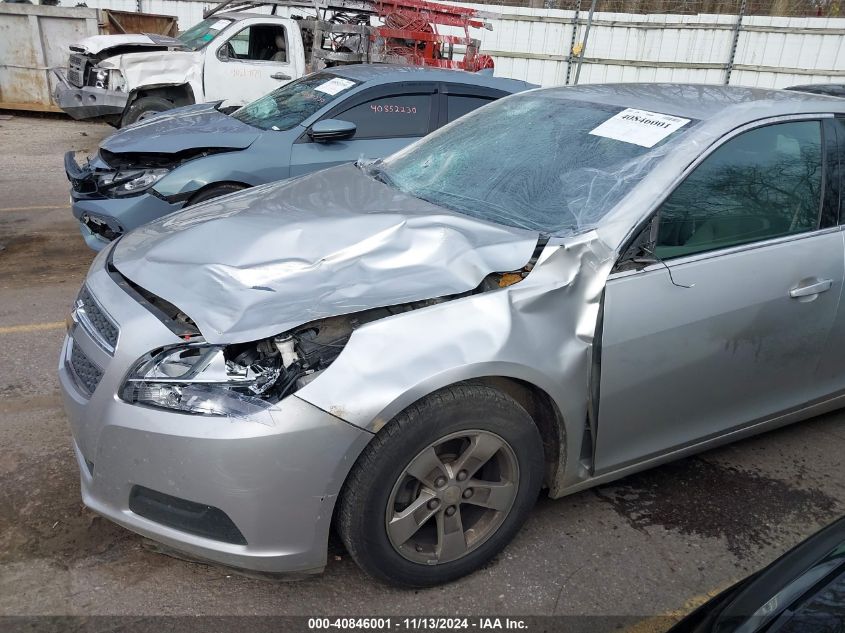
<point>452,497</point>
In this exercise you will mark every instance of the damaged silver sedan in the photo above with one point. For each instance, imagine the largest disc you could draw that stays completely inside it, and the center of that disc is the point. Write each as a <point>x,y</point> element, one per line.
<point>564,287</point>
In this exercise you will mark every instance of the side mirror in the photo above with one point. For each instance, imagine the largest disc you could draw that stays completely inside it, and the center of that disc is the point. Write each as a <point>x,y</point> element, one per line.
<point>223,53</point>
<point>329,130</point>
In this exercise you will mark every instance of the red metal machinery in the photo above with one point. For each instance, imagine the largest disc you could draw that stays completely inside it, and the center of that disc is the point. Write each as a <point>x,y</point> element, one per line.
<point>381,31</point>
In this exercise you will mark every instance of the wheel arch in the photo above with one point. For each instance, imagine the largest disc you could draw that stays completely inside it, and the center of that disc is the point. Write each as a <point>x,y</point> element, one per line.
<point>532,397</point>
<point>218,183</point>
<point>180,94</point>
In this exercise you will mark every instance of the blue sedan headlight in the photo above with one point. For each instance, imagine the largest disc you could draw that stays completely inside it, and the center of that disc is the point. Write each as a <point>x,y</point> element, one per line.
<point>127,183</point>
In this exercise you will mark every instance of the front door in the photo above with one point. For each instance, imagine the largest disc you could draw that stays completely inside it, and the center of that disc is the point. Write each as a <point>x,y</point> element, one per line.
<point>386,121</point>
<point>730,324</point>
<point>248,64</point>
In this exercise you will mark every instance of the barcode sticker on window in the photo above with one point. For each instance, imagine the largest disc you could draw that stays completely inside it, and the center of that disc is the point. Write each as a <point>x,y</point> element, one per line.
<point>639,127</point>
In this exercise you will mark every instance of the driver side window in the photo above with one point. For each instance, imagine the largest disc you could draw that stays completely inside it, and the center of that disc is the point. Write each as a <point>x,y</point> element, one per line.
<point>259,42</point>
<point>762,184</point>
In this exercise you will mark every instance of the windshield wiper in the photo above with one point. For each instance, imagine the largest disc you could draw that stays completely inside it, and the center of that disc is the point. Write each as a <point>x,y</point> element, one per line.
<point>377,173</point>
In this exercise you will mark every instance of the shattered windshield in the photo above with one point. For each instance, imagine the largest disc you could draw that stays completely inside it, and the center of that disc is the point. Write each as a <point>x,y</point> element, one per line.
<point>201,34</point>
<point>534,161</point>
<point>291,104</point>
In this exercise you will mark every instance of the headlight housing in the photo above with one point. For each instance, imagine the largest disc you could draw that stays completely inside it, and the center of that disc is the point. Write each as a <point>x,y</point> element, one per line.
<point>241,380</point>
<point>127,183</point>
<point>109,79</point>
<point>204,379</point>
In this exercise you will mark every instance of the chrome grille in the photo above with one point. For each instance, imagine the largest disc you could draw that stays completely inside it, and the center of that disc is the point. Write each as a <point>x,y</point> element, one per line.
<point>76,70</point>
<point>92,317</point>
<point>86,373</point>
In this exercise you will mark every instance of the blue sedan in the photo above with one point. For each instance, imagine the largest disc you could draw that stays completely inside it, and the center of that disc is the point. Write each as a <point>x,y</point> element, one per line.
<point>196,153</point>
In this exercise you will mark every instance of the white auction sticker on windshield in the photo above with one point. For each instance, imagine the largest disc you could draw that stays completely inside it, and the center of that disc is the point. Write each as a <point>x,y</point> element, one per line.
<point>219,25</point>
<point>639,127</point>
<point>333,86</point>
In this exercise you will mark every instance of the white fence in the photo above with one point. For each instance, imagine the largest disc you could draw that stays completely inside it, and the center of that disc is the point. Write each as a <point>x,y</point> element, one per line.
<point>535,45</point>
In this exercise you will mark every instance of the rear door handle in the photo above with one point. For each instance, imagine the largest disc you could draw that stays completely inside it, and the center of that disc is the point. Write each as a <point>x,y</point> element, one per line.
<point>811,289</point>
<point>279,76</point>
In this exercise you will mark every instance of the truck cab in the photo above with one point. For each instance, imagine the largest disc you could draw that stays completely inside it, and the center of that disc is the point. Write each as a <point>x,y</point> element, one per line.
<point>230,57</point>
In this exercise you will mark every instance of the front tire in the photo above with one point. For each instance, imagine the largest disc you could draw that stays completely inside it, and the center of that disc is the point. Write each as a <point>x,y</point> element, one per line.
<point>442,488</point>
<point>144,108</point>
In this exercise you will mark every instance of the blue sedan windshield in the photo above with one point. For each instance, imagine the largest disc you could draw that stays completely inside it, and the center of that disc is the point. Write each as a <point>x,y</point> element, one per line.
<point>532,161</point>
<point>291,104</point>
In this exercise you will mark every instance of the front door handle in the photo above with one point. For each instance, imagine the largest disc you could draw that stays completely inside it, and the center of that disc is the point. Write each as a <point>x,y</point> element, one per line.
<point>279,76</point>
<point>811,289</point>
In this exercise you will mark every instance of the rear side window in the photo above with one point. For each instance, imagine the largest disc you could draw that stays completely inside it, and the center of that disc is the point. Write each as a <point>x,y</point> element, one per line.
<point>391,116</point>
<point>762,184</point>
<point>459,105</point>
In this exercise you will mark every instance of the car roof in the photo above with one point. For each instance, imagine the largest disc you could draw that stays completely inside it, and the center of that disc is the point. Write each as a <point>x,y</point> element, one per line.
<point>701,101</point>
<point>392,73</point>
<point>833,90</point>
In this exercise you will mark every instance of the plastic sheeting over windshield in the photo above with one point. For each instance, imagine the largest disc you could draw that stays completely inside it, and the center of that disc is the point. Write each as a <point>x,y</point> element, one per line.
<point>533,161</point>
<point>202,33</point>
<point>290,105</point>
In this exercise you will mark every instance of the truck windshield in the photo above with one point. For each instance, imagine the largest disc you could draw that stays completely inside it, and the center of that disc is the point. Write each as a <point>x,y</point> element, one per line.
<point>201,34</point>
<point>291,104</point>
<point>533,161</point>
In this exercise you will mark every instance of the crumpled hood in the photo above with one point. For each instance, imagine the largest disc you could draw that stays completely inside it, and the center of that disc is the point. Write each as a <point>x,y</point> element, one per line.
<point>98,43</point>
<point>190,127</point>
<point>261,262</point>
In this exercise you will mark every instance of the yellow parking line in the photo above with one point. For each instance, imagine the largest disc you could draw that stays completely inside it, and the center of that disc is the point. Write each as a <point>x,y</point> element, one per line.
<point>32,327</point>
<point>659,623</point>
<point>47,208</point>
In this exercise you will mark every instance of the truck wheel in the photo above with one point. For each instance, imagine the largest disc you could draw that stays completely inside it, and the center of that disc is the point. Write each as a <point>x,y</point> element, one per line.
<point>442,488</point>
<point>214,192</point>
<point>144,108</point>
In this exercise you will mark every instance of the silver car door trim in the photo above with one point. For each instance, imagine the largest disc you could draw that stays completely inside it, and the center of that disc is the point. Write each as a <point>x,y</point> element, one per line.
<point>725,251</point>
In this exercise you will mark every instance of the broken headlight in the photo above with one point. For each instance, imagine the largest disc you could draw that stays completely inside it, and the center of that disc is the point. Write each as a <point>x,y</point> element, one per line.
<point>109,79</point>
<point>204,379</point>
<point>127,183</point>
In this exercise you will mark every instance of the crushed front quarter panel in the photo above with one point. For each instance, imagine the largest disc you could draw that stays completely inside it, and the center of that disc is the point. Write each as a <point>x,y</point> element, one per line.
<point>539,330</point>
<point>160,68</point>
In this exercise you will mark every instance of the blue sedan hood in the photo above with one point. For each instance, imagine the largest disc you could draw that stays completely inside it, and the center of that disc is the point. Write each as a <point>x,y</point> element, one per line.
<point>258,263</point>
<point>197,126</point>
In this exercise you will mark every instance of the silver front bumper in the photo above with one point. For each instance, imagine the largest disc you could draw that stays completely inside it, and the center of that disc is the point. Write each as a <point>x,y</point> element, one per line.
<point>88,102</point>
<point>277,483</point>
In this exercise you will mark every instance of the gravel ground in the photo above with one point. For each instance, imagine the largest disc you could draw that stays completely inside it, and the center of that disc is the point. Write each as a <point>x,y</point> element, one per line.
<point>655,543</point>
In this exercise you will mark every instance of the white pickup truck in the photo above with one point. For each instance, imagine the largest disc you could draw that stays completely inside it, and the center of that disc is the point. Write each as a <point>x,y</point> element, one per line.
<point>236,56</point>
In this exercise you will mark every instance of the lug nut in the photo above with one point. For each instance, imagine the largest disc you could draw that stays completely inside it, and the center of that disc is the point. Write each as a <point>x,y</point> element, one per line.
<point>467,493</point>
<point>462,475</point>
<point>440,482</point>
<point>433,504</point>
<point>450,511</point>
<point>418,547</point>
